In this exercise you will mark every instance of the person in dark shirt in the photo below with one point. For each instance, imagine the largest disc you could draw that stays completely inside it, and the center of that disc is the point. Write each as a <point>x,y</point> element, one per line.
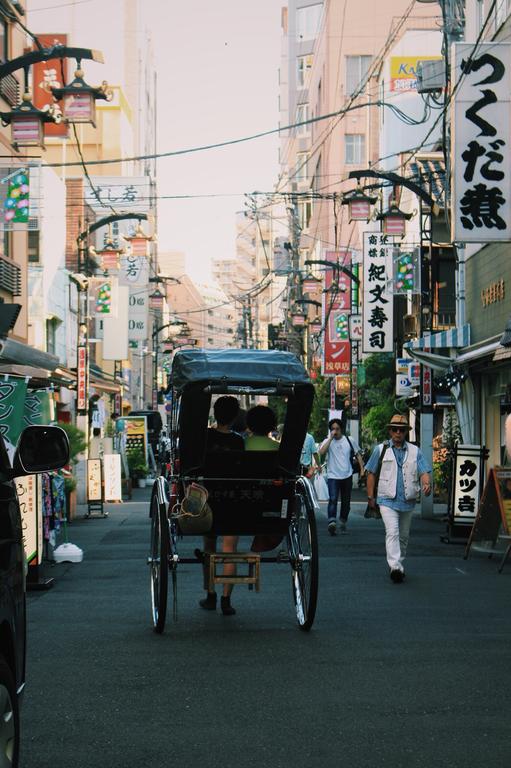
<point>221,438</point>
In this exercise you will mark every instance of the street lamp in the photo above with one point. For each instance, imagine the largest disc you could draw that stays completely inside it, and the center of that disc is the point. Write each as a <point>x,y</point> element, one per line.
<point>310,283</point>
<point>316,325</point>
<point>79,98</point>
<point>394,220</point>
<point>297,317</point>
<point>359,204</point>
<point>139,242</point>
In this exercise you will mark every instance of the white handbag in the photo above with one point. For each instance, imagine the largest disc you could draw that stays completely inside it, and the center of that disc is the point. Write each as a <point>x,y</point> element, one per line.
<point>320,487</point>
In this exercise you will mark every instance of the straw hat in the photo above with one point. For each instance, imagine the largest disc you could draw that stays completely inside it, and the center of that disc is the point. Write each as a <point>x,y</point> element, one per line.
<point>399,421</point>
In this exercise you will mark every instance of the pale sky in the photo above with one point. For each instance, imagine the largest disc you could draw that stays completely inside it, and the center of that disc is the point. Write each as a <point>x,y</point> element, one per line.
<point>218,80</point>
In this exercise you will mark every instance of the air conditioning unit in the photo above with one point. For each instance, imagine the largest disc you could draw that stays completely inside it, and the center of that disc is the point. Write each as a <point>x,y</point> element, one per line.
<point>430,75</point>
<point>410,326</point>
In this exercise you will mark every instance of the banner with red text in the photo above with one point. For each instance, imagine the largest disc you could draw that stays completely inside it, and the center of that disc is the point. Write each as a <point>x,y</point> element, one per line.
<point>336,311</point>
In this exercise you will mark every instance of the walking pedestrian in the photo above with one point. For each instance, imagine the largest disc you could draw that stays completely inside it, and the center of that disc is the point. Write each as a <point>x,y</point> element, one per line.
<point>309,459</point>
<point>339,451</point>
<point>403,474</point>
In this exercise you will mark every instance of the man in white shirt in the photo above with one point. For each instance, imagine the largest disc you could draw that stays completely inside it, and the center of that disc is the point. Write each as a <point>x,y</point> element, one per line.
<point>339,450</point>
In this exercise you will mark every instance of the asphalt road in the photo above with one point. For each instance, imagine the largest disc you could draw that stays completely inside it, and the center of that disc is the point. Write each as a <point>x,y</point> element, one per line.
<point>406,675</point>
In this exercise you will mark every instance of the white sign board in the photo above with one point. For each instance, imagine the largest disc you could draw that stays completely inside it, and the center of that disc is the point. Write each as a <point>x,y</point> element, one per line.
<point>355,327</point>
<point>112,477</point>
<point>123,193</point>
<point>115,329</point>
<point>481,154</point>
<point>467,483</point>
<point>403,385</point>
<point>378,305</point>
<point>94,486</point>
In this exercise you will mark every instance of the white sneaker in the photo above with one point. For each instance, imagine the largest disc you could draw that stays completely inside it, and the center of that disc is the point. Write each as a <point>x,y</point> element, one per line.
<point>332,528</point>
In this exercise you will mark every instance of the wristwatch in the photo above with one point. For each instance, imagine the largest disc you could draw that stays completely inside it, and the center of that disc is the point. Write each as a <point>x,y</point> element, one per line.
<point>370,498</point>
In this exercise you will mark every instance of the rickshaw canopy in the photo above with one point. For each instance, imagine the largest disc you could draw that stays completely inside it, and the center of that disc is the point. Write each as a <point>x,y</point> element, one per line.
<point>236,367</point>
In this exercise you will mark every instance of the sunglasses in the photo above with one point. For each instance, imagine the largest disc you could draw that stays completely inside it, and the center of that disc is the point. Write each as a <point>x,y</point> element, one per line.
<point>398,429</point>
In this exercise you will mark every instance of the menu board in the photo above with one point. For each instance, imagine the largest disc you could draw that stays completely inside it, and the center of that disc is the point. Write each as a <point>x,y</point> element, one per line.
<point>494,512</point>
<point>26,488</point>
<point>94,489</point>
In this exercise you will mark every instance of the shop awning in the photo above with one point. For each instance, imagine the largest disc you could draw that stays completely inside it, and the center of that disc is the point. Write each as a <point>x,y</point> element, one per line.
<point>16,352</point>
<point>451,339</point>
<point>429,171</point>
<point>39,376</point>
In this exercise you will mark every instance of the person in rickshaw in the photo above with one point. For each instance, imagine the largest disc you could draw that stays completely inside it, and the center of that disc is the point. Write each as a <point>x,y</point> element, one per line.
<point>222,438</point>
<point>261,422</point>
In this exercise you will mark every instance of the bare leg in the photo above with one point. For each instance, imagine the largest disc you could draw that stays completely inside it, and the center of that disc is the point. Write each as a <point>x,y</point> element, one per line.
<point>230,544</point>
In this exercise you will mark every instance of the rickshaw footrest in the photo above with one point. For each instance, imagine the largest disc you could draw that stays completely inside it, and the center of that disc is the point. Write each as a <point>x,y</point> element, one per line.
<point>252,560</point>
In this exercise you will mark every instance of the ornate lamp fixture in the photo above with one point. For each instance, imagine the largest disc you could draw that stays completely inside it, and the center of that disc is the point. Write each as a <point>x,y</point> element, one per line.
<point>108,257</point>
<point>27,121</point>
<point>298,317</point>
<point>79,98</point>
<point>310,283</point>
<point>394,220</point>
<point>139,242</point>
<point>156,299</point>
<point>316,325</point>
<point>359,204</point>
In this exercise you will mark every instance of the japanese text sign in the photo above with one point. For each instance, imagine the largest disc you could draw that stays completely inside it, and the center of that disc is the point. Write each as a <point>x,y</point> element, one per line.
<point>481,158</point>
<point>336,312</point>
<point>46,75</point>
<point>377,308</point>
<point>467,482</point>
<point>82,380</point>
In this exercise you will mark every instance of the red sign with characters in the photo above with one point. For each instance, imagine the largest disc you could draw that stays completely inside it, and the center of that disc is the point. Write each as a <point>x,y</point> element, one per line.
<point>46,75</point>
<point>336,311</point>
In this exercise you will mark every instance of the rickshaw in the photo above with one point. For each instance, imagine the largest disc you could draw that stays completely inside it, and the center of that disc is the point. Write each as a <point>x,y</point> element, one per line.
<point>250,493</point>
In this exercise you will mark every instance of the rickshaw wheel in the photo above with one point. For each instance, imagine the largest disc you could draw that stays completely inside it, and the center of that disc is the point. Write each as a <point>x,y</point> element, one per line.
<point>303,555</point>
<point>159,561</point>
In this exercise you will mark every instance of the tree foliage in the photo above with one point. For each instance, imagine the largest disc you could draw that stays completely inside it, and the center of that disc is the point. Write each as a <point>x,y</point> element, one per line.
<point>77,440</point>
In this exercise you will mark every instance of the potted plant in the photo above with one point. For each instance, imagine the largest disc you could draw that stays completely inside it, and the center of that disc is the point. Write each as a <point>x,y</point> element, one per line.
<point>138,467</point>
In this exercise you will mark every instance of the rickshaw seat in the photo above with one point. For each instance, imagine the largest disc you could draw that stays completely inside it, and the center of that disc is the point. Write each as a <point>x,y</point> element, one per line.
<point>240,502</point>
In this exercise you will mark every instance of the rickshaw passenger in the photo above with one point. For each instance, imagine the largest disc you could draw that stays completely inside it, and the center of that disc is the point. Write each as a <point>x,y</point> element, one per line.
<point>221,438</point>
<point>261,420</point>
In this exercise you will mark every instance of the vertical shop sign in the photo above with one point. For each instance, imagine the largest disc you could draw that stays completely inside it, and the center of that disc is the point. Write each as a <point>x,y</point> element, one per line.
<point>46,75</point>
<point>377,308</point>
<point>112,472</point>
<point>336,311</point>
<point>26,488</point>
<point>481,157</point>
<point>82,380</point>
<point>136,434</point>
<point>94,484</point>
<point>467,483</point>
<point>12,403</point>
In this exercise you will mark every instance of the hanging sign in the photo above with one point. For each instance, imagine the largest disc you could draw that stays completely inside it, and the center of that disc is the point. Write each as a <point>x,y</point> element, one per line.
<point>336,308</point>
<point>82,379</point>
<point>112,473</point>
<point>12,403</point>
<point>377,305</point>
<point>47,75</point>
<point>481,154</point>
<point>94,485</point>
<point>355,327</point>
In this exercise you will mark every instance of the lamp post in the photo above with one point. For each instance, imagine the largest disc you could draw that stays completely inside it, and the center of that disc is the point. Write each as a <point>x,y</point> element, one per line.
<point>178,326</point>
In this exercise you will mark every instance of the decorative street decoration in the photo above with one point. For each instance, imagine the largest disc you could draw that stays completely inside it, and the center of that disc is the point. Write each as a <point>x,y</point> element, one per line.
<point>406,271</point>
<point>16,204</point>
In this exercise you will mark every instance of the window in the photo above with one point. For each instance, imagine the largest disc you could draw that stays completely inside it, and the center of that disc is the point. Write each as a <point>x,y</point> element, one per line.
<point>304,67</point>
<point>357,68</point>
<point>307,21</point>
<point>304,213</point>
<point>302,114</point>
<point>33,247</point>
<point>301,171</point>
<point>4,47</point>
<point>354,148</point>
<point>51,335</point>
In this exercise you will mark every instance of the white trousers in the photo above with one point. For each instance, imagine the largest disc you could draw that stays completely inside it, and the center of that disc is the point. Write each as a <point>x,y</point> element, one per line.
<point>397,533</point>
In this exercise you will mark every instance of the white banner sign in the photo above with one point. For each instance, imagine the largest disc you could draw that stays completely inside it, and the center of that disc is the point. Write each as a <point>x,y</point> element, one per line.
<point>481,157</point>
<point>112,477</point>
<point>355,327</point>
<point>378,305</point>
<point>119,192</point>
<point>115,329</point>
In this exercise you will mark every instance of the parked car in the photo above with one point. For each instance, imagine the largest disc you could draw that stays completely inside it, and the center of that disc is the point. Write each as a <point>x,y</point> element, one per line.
<point>39,449</point>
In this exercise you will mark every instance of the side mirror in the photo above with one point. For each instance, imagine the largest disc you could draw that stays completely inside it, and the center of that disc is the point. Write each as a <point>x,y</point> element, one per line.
<point>40,449</point>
